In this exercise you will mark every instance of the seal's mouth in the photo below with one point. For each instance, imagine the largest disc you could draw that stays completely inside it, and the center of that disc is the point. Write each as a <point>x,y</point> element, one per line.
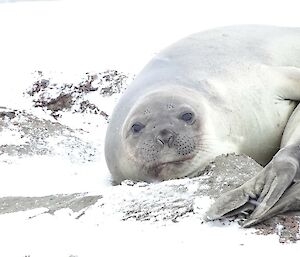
<point>158,168</point>
<point>178,162</point>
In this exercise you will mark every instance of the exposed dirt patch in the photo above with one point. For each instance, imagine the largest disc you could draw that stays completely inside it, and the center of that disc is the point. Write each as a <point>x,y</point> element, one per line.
<point>285,226</point>
<point>74,97</point>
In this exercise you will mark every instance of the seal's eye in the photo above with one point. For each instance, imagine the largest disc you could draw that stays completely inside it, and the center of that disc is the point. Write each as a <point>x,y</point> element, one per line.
<point>187,116</point>
<point>137,127</point>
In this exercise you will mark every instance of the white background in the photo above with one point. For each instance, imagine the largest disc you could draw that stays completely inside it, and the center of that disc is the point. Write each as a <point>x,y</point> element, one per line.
<point>79,36</point>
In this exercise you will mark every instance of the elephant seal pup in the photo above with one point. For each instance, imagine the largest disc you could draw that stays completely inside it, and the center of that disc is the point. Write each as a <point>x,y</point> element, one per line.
<point>232,89</point>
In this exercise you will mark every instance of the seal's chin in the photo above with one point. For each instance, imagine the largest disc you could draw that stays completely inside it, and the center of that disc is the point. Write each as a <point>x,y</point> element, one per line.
<point>168,169</point>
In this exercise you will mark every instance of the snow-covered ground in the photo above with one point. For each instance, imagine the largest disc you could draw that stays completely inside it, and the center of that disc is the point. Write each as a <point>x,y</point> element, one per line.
<point>66,39</point>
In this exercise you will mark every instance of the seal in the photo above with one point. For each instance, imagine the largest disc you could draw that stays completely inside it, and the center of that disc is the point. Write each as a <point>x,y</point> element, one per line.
<point>232,89</point>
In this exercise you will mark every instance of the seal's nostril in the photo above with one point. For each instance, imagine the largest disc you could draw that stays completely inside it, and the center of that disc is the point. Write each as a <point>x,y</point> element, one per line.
<point>171,140</point>
<point>160,141</point>
<point>165,136</point>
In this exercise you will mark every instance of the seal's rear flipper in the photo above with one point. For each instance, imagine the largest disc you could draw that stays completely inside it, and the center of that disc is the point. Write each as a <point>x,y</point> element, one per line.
<point>289,202</point>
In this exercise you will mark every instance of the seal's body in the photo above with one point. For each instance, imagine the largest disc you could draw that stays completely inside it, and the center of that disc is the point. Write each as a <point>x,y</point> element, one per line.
<point>226,90</point>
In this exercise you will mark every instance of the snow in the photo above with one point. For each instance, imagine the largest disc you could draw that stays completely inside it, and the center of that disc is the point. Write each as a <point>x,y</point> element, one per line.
<point>65,39</point>
<point>63,235</point>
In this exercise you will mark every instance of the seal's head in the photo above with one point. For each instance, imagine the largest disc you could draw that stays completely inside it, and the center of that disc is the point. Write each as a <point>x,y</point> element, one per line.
<point>162,137</point>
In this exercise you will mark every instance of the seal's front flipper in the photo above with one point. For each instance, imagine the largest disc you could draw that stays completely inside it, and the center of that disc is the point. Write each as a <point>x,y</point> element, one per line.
<point>228,203</point>
<point>264,190</point>
<point>288,78</point>
<point>289,202</point>
<point>234,202</point>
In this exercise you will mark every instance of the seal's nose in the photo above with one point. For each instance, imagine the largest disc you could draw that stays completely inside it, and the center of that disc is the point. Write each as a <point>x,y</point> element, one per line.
<point>165,137</point>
